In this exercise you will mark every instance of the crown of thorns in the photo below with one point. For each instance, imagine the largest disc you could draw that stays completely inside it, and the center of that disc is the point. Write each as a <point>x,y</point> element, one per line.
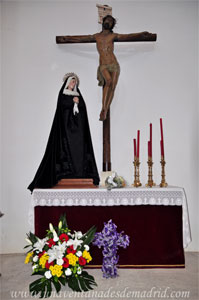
<point>71,75</point>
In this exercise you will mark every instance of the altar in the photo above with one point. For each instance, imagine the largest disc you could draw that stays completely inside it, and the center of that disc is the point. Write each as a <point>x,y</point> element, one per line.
<point>156,219</point>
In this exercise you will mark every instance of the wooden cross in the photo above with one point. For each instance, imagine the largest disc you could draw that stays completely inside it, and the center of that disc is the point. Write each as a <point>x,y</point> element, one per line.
<point>108,69</point>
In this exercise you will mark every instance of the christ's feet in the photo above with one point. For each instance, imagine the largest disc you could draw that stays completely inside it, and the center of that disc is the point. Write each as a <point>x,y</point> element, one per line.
<point>103,115</point>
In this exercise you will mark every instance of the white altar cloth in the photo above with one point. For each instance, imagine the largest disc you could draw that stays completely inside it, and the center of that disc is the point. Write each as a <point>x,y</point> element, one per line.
<point>103,197</point>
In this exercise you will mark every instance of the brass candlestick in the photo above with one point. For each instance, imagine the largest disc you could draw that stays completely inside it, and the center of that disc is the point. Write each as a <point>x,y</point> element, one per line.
<point>136,163</point>
<point>163,181</point>
<point>150,182</point>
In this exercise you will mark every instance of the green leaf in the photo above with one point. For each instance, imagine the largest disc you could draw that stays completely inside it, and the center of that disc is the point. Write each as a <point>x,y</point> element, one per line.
<point>34,293</point>
<point>57,286</point>
<point>73,284</point>
<point>64,222</point>
<point>62,280</point>
<point>49,289</point>
<point>41,286</point>
<point>33,238</point>
<point>38,273</point>
<point>35,283</point>
<point>83,285</point>
<point>29,251</point>
<point>27,246</point>
<point>88,276</point>
<point>89,236</point>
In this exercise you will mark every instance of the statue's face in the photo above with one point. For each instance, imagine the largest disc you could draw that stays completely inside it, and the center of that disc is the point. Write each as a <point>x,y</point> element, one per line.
<point>72,84</point>
<point>108,23</point>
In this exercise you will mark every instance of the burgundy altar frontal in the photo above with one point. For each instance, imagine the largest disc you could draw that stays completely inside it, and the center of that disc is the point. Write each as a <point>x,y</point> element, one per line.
<point>156,238</point>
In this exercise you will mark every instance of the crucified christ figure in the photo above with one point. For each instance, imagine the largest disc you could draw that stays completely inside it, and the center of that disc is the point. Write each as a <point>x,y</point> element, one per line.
<point>109,69</point>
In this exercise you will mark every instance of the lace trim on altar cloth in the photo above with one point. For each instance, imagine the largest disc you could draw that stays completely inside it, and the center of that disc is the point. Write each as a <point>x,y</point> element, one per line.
<point>102,197</point>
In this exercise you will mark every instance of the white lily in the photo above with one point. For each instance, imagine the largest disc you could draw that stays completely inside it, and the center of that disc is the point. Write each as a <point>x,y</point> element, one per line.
<point>78,234</point>
<point>51,227</point>
<point>86,247</point>
<point>40,244</point>
<point>28,241</point>
<point>57,252</point>
<point>74,242</point>
<point>70,234</point>
<point>60,225</point>
<point>60,261</point>
<point>55,236</point>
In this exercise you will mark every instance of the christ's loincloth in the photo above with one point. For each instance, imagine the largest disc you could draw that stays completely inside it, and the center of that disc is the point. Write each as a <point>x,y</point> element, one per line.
<point>110,67</point>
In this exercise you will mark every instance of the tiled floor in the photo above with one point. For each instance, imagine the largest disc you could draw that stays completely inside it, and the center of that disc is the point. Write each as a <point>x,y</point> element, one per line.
<point>130,284</point>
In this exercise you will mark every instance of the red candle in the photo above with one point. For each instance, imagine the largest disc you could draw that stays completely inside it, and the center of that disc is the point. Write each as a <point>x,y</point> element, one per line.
<point>134,141</point>
<point>151,139</point>
<point>138,144</point>
<point>149,149</point>
<point>161,130</point>
<point>162,148</point>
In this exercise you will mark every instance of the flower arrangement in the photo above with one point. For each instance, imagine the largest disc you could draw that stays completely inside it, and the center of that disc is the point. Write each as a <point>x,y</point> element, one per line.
<point>60,258</point>
<point>110,240</point>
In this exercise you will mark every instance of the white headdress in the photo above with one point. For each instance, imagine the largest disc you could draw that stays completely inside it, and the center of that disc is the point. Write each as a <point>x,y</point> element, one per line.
<point>73,75</point>
<point>66,91</point>
<point>69,77</point>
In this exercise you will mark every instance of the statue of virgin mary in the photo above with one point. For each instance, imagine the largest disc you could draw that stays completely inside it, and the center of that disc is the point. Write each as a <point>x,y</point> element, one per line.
<point>69,151</point>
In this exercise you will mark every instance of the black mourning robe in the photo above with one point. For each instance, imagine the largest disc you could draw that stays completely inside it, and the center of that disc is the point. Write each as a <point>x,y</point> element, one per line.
<point>69,152</point>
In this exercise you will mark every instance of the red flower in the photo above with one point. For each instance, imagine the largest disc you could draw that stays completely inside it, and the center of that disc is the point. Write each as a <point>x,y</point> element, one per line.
<point>66,262</point>
<point>82,261</point>
<point>40,254</point>
<point>50,243</point>
<point>64,237</point>
<point>71,250</point>
<point>47,265</point>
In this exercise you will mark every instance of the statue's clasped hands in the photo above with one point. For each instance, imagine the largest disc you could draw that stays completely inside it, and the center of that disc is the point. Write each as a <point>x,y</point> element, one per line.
<point>76,100</point>
<point>75,107</point>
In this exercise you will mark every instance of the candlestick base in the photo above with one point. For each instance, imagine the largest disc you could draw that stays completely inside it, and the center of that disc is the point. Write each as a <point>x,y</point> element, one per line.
<point>163,184</point>
<point>150,184</point>
<point>137,182</point>
<point>163,181</point>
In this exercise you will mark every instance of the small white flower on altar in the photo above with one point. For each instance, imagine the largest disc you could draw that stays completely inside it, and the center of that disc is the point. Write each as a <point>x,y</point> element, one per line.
<point>75,243</point>
<point>86,247</point>
<point>34,267</point>
<point>78,234</point>
<point>68,272</point>
<point>35,258</point>
<point>78,253</point>
<point>48,274</point>
<point>51,227</point>
<point>40,244</point>
<point>79,270</point>
<point>60,261</point>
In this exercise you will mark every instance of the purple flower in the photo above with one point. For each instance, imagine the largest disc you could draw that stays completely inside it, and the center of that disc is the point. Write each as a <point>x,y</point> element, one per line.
<point>110,240</point>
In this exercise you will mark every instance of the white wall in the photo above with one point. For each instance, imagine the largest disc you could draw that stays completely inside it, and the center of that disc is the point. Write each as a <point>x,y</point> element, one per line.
<point>157,80</point>
<point>0,119</point>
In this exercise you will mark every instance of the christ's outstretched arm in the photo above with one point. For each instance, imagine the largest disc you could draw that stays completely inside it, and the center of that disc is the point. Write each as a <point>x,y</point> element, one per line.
<point>71,39</point>
<point>136,37</point>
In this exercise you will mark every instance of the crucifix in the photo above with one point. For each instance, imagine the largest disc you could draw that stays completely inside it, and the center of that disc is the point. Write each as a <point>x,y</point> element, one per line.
<point>108,70</point>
